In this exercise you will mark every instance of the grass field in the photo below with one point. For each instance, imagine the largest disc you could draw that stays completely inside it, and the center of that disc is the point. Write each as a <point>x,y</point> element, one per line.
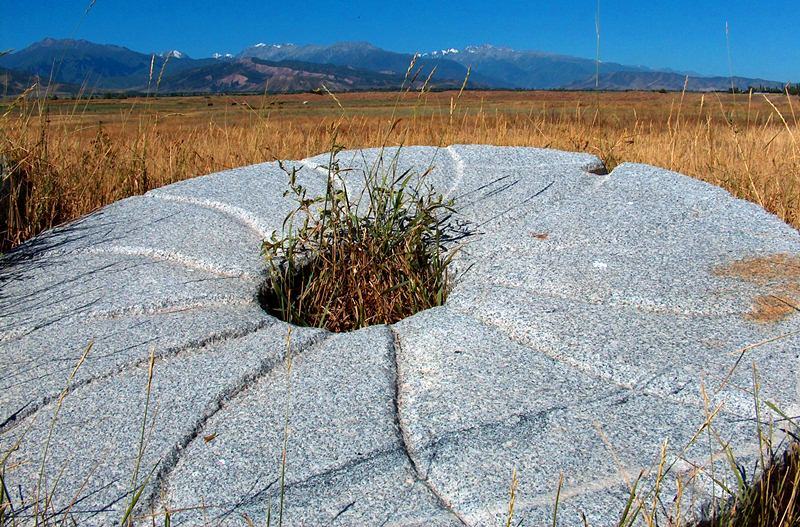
<point>68,157</point>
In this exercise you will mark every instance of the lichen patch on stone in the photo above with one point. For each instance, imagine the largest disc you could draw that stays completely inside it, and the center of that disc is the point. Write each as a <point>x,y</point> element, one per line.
<point>771,308</point>
<point>779,274</point>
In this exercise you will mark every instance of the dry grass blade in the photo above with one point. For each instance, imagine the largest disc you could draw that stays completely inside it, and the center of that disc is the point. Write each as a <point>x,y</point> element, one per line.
<point>512,497</point>
<point>137,487</point>
<point>43,496</point>
<point>558,498</point>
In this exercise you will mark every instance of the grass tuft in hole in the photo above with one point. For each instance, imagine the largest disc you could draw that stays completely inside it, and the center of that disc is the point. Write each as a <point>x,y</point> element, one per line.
<point>347,260</point>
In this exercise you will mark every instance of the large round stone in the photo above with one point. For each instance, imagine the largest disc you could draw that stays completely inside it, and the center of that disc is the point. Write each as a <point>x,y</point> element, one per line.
<point>599,320</point>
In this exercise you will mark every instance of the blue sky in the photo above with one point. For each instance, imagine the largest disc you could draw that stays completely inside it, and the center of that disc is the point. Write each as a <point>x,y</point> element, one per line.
<point>677,34</point>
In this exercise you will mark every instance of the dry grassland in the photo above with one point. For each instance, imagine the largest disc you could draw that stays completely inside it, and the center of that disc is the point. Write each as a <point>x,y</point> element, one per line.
<point>69,157</point>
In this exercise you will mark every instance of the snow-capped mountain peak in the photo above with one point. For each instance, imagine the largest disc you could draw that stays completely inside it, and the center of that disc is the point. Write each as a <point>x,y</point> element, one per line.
<point>174,54</point>
<point>273,46</point>
<point>442,52</point>
<point>483,48</point>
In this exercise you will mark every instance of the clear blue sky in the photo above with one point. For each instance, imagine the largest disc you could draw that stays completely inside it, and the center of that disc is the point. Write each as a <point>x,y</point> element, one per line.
<point>678,34</point>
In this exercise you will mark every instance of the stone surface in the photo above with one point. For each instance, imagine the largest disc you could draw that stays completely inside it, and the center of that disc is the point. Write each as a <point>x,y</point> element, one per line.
<point>594,318</point>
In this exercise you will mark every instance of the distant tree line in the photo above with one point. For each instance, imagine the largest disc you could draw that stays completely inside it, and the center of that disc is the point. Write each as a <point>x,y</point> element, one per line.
<point>793,89</point>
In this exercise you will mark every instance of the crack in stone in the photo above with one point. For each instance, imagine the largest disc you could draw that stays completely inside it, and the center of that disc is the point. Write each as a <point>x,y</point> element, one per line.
<point>14,415</point>
<point>343,510</point>
<point>215,338</point>
<point>404,438</point>
<point>515,420</point>
<point>248,498</point>
<point>575,365</point>
<point>525,419</point>
<point>310,481</point>
<point>69,362</point>
<point>173,457</point>
<point>344,467</point>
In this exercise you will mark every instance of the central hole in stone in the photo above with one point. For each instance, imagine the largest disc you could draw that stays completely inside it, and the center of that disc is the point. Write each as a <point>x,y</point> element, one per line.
<point>374,253</point>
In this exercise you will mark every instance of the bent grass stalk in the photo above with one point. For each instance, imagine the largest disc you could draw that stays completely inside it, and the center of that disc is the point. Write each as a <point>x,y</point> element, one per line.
<point>41,484</point>
<point>137,489</point>
<point>512,497</point>
<point>285,446</point>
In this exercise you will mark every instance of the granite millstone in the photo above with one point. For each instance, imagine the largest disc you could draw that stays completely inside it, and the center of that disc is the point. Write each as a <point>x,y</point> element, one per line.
<point>595,317</point>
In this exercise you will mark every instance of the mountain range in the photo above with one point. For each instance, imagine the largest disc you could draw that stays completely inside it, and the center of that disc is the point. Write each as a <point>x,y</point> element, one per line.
<point>344,66</point>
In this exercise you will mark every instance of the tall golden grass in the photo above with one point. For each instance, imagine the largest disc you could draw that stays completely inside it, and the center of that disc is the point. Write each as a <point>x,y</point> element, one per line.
<point>66,158</point>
